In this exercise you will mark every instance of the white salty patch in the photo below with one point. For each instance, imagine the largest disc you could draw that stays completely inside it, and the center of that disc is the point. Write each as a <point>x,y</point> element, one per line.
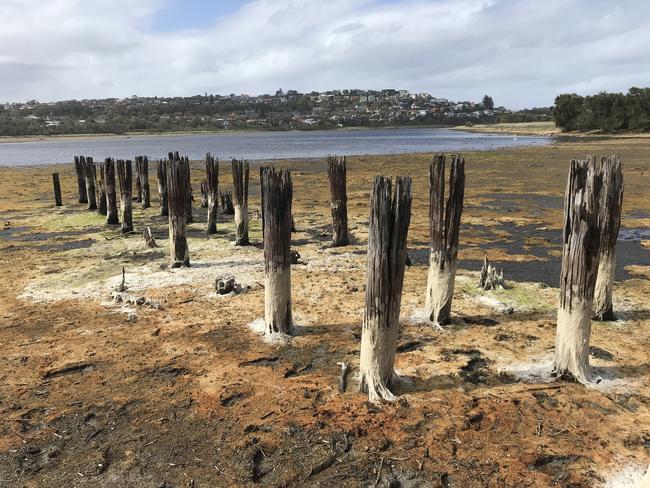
<point>633,476</point>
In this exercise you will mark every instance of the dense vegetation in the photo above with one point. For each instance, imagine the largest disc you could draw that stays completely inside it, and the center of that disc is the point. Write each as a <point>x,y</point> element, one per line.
<point>607,112</point>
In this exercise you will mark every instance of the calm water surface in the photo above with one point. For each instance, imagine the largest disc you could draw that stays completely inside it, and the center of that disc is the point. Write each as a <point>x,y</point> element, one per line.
<point>262,145</point>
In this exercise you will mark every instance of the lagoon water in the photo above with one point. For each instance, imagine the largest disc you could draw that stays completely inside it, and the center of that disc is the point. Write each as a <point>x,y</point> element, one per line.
<point>261,145</point>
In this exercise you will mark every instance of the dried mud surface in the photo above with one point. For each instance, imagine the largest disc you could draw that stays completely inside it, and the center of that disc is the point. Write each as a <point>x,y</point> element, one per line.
<point>180,392</point>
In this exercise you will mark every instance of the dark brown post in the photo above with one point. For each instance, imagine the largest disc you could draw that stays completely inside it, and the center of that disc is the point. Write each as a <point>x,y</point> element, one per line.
<point>138,179</point>
<point>278,190</point>
<point>444,226</point>
<point>144,182</point>
<point>611,204</point>
<point>336,171</point>
<point>125,177</point>
<point>212,191</point>
<point>390,215</point>
<point>57,189</point>
<point>177,185</point>
<point>226,203</point>
<point>162,187</point>
<point>240,171</point>
<point>111,194</point>
<point>101,187</point>
<point>81,179</point>
<point>204,194</point>
<point>89,172</point>
<point>580,257</point>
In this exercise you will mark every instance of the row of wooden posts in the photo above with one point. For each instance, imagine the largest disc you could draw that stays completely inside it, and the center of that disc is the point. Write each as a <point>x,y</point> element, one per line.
<point>593,203</point>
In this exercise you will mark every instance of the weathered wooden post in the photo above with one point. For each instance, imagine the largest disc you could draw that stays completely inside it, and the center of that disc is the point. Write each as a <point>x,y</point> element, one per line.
<point>240,171</point>
<point>144,182</point>
<point>89,172</point>
<point>111,194</point>
<point>226,203</point>
<point>57,189</point>
<point>138,179</point>
<point>204,194</point>
<point>444,225</point>
<point>278,190</point>
<point>336,171</point>
<point>101,187</point>
<point>81,179</point>
<point>177,185</point>
<point>212,191</point>
<point>125,177</point>
<point>580,256</point>
<point>390,215</point>
<point>611,204</point>
<point>162,187</point>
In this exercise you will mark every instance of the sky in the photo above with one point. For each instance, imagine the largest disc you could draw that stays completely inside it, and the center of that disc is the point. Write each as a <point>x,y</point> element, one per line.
<point>521,52</point>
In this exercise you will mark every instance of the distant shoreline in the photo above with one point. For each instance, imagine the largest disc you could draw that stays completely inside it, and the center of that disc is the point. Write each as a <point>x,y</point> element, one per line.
<point>545,129</point>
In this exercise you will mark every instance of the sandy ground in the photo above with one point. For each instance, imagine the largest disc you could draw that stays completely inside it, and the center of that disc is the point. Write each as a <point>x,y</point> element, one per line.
<point>181,391</point>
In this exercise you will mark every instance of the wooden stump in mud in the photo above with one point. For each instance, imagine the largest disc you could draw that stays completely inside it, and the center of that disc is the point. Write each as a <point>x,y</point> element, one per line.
<point>611,204</point>
<point>212,191</point>
<point>81,179</point>
<point>240,170</point>
<point>90,174</point>
<point>57,189</point>
<point>278,190</point>
<point>227,207</point>
<point>177,186</point>
<point>580,257</point>
<point>390,215</point>
<point>162,187</point>
<point>336,172</point>
<point>138,179</point>
<point>490,279</point>
<point>143,174</point>
<point>101,190</point>
<point>125,177</point>
<point>111,194</point>
<point>149,239</point>
<point>444,225</point>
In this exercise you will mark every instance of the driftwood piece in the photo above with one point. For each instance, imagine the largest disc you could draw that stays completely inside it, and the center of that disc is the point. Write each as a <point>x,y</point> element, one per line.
<point>149,239</point>
<point>390,214</point>
<point>90,174</point>
<point>611,205</point>
<point>162,187</point>
<point>227,207</point>
<point>580,259</point>
<point>277,188</point>
<point>240,173</point>
<point>177,187</point>
<point>57,189</point>
<point>81,179</point>
<point>225,284</point>
<point>211,191</point>
<point>111,193</point>
<point>125,177</point>
<point>102,205</point>
<point>490,279</point>
<point>336,172</point>
<point>444,226</point>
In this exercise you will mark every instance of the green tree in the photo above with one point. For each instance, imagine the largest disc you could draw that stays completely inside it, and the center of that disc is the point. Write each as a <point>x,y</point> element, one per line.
<point>488,103</point>
<point>568,108</point>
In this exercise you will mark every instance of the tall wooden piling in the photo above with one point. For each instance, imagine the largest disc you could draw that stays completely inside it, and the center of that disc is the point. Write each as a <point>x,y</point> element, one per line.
<point>444,226</point>
<point>336,172</point>
<point>91,177</point>
<point>81,179</point>
<point>101,190</point>
<point>57,189</point>
<point>177,185</point>
<point>611,205</point>
<point>277,188</point>
<point>144,182</point>
<point>390,215</point>
<point>138,179</point>
<point>580,259</point>
<point>111,194</point>
<point>162,187</point>
<point>125,177</point>
<point>240,173</point>
<point>212,190</point>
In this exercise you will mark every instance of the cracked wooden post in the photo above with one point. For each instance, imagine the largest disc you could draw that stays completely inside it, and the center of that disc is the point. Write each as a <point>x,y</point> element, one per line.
<point>444,225</point>
<point>57,189</point>
<point>212,191</point>
<point>162,187</point>
<point>101,190</point>
<point>177,185</point>
<point>125,176</point>
<point>240,170</point>
<point>226,203</point>
<point>89,172</point>
<point>204,194</point>
<point>611,204</point>
<point>138,179</point>
<point>336,171</point>
<point>277,187</point>
<point>111,194</point>
<point>390,215</point>
<point>81,179</point>
<point>144,182</point>
<point>580,256</point>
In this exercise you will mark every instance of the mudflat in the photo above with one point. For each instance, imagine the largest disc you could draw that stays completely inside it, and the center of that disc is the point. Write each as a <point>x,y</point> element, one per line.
<point>169,384</point>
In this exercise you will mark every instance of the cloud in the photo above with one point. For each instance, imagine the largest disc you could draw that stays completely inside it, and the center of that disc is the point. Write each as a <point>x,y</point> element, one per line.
<point>522,52</point>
